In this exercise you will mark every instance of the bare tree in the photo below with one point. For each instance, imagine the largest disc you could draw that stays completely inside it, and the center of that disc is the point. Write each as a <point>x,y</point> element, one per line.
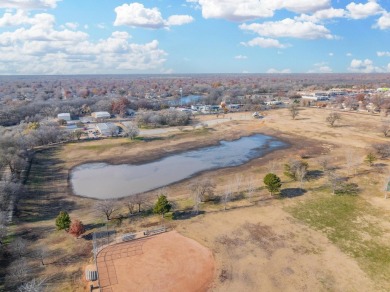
<point>324,163</point>
<point>352,161</point>
<point>237,182</point>
<point>300,174</point>
<point>197,201</point>
<point>203,189</point>
<point>106,208</point>
<point>130,205</point>
<point>332,118</point>
<point>226,196</point>
<point>130,130</point>
<point>385,128</point>
<point>382,150</point>
<point>18,271</point>
<point>250,186</point>
<point>292,168</point>
<point>35,285</point>
<point>293,110</point>
<point>139,200</point>
<point>40,253</point>
<point>19,247</point>
<point>333,179</point>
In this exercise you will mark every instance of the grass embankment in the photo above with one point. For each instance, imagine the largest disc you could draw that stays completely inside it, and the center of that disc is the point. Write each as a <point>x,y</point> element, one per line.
<point>350,223</point>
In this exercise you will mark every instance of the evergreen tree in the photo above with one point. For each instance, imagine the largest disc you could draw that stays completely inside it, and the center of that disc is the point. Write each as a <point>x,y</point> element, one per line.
<point>63,221</point>
<point>162,205</point>
<point>272,183</point>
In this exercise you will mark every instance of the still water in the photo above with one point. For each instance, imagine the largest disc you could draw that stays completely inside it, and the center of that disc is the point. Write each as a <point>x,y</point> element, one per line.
<point>106,181</point>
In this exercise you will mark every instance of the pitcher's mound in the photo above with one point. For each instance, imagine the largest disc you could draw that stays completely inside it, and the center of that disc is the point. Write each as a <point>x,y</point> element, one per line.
<point>165,262</point>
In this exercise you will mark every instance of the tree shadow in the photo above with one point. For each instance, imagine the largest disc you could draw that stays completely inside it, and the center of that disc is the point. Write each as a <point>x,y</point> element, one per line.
<point>187,214</point>
<point>314,174</point>
<point>292,192</point>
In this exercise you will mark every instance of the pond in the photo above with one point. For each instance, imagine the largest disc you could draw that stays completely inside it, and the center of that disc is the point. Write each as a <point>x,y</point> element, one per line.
<point>106,181</point>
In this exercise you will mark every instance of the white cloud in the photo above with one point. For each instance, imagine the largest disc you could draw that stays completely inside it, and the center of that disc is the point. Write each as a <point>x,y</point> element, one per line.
<point>21,18</point>
<point>137,15</point>
<point>348,54</point>
<point>302,6</point>
<point>361,11</point>
<point>383,54</point>
<point>179,20</point>
<point>364,66</point>
<point>321,67</point>
<point>240,57</point>
<point>321,15</point>
<point>275,71</point>
<point>384,21</point>
<point>264,43</point>
<point>234,10</point>
<point>331,54</point>
<point>72,25</point>
<point>38,47</point>
<point>289,28</point>
<point>29,4</point>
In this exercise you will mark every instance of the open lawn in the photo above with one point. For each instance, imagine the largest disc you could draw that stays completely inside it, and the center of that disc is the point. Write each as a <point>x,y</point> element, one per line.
<point>307,239</point>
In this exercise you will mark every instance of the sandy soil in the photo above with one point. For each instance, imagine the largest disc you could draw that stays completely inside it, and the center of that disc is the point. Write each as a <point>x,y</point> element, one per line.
<point>164,262</point>
<point>264,249</point>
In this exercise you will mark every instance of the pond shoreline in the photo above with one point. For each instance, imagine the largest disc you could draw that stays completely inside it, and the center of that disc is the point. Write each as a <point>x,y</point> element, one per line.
<point>169,169</point>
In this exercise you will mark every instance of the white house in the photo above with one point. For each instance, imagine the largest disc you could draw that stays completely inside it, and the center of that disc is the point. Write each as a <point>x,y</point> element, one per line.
<point>64,116</point>
<point>107,129</point>
<point>101,115</point>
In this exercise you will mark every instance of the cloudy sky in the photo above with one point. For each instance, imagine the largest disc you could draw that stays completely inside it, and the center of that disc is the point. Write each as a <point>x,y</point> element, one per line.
<point>194,36</point>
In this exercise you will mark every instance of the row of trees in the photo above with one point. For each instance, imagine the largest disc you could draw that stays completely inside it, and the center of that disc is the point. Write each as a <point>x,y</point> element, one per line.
<point>167,117</point>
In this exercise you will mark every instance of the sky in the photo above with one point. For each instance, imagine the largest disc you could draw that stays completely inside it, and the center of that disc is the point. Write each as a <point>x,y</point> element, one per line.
<point>193,36</point>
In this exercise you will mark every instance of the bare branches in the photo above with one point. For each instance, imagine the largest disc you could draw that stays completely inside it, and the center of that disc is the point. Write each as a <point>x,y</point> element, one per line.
<point>203,189</point>
<point>226,196</point>
<point>251,187</point>
<point>106,208</point>
<point>293,110</point>
<point>332,118</point>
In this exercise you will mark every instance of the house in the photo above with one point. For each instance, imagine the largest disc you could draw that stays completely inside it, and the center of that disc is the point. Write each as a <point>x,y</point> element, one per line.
<point>107,129</point>
<point>101,115</point>
<point>64,116</point>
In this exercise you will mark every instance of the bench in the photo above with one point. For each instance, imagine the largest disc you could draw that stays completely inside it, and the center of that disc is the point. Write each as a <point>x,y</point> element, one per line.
<point>128,236</point>
<point>154,231</point>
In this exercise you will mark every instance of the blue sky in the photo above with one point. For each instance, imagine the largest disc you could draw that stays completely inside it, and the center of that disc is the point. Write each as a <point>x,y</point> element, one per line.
<point>194,36</point>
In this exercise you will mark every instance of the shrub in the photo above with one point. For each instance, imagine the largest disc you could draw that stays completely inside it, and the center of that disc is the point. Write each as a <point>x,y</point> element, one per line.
<point>76,228</point>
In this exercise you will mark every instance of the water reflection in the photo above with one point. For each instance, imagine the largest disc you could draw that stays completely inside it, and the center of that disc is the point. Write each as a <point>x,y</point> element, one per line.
<point>105,181</point>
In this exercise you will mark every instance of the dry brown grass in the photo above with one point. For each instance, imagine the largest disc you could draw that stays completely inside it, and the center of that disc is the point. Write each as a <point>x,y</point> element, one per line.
<point>256,244</point>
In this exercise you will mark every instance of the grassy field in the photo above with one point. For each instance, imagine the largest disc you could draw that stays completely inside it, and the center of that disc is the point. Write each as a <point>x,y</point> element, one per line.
<point>353,225</point>
<point>307,240</point>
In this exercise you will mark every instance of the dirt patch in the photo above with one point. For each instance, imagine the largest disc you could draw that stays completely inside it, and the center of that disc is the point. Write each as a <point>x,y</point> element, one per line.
<point>264,249</point>
<point>165,262</point>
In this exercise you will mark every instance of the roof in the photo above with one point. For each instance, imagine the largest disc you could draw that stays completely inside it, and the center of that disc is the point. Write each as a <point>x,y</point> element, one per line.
<point>63,115</point>
<point>101,114</point>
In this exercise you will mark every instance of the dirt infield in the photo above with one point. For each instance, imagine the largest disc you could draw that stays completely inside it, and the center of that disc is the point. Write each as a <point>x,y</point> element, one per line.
<point>164,262</point>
